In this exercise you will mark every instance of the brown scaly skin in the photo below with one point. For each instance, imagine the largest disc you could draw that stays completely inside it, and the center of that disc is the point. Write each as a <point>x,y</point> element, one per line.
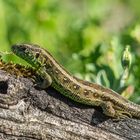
<point>54,74</point>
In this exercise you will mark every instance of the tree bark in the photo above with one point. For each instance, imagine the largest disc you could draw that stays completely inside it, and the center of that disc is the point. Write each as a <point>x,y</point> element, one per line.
<point>28,113</point>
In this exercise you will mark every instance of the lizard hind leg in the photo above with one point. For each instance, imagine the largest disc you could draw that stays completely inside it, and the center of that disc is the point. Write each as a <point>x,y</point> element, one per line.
<point>115,113</point>
<point>108,109</point>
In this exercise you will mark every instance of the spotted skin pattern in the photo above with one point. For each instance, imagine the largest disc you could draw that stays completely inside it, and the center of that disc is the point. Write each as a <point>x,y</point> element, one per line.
<point>81,91</point>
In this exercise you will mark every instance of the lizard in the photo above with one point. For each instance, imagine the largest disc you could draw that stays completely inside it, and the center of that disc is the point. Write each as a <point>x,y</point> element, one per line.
<point>93,94</point>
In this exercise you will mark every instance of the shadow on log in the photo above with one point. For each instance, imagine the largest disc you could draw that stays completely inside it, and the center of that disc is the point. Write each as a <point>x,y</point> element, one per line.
<point>27,113</point>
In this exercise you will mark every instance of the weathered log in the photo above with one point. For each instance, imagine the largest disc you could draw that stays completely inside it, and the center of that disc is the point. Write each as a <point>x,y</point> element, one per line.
<point>28,113</point>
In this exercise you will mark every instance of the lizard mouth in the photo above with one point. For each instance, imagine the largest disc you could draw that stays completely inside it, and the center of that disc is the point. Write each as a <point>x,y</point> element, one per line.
<point>18,50</point>
<point>24,52</point>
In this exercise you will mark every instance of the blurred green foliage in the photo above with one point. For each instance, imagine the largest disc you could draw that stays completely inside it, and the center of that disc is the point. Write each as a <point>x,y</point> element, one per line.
<point>86,36</point>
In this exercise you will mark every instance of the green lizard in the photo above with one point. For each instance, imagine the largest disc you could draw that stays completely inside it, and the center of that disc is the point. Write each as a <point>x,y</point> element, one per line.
<point>84,92</point>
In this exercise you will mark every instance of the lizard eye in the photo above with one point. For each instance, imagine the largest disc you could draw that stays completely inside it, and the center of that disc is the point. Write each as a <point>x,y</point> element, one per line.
<point>37,55</point>
<point>23,49</point>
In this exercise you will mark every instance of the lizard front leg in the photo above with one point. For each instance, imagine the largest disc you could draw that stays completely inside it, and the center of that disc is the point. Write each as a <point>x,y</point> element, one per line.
<point>117,113</point>
<point>47,80</point>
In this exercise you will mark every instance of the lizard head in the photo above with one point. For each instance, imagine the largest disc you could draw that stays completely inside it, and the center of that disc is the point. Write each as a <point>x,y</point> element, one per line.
<point>28,52</point>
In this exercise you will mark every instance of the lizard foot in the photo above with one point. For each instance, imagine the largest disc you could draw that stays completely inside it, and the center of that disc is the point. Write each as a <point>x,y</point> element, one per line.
<point>122,115</point>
